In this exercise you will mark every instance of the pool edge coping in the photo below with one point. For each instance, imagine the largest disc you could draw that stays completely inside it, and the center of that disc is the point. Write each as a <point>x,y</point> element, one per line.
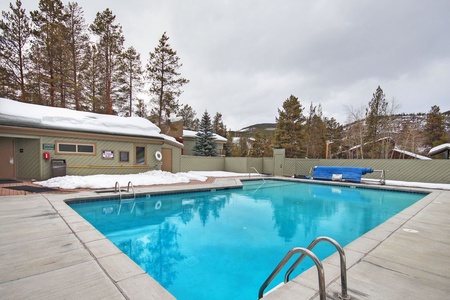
<point>125,273</point>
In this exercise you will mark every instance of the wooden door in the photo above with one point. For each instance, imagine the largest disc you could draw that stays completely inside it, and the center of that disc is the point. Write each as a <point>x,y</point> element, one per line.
<point>7,158</point>
<point>166,159</point>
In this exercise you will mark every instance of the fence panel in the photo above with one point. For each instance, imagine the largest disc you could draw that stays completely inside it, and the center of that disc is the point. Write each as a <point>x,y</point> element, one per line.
<point>432,171</point>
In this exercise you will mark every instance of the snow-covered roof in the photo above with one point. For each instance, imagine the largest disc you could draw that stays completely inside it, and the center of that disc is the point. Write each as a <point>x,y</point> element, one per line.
<point>193,134</point>
<point>37,116</point>
<point>418,156</point>
<point>439,149</point>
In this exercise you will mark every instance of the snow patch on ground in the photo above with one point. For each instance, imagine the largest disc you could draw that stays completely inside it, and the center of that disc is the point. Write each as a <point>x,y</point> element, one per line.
<point>162,177</point>
<point>109,181</point>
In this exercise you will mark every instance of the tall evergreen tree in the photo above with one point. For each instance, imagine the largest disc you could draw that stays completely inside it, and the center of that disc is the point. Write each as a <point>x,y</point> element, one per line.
<point>15,33</point>
<point>289,131</point>
<point>376,123</point>
<point>334,134</point>
<point>165,80</point>
<point>315,133</point>
<point>131,77</point>
<point>218,126</point>
<point>205,143</point>
<point>435,127</point>
<point>111,45</point>
<point>50,35</point>
<point>189,120</point>
<point>77,43</point>
<point>257,149</point>
<point>93,87</point>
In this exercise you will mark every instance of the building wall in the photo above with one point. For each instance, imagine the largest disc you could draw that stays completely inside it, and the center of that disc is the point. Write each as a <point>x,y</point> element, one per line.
<point>188,146</point>
<point>176,157</point>
<point>28,158</point>
<point>87,164</point>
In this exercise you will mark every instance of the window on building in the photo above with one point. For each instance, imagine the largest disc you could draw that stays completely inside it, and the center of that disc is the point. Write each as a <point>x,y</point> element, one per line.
<point>140,155</point>
<point>75,148</point>
<point>124,156</point>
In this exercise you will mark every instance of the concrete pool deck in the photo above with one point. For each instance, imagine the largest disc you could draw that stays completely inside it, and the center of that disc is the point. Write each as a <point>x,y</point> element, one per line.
<point>47,251</point>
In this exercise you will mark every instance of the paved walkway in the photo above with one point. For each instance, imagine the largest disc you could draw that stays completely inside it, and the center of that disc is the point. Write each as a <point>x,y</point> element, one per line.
<point>47,251</point>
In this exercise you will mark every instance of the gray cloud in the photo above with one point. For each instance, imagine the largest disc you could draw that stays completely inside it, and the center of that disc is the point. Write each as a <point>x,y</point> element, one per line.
<point>244,58</point>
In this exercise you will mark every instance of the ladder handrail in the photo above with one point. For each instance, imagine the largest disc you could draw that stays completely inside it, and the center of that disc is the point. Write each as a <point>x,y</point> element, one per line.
<point>382,177</point>
<point>343,263</point>
<point>117,187</point>
<point>260,175</point>
<point>304,251</point>
<point>132,187</point>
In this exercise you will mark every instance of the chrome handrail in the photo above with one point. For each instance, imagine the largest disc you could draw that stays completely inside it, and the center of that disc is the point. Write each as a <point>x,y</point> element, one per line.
<point>117,188</point>
<point>286,258</point>
<point>344,295</point>
<point>132,187</point>
<point>260,175</point>
<point>125,200</point>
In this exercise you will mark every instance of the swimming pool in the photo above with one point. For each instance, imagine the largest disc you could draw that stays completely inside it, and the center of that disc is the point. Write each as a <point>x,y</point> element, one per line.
<point>223,244</point>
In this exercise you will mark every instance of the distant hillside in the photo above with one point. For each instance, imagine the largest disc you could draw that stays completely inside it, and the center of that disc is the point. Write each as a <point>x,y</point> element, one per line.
<point>405,129</point>
<point>249,131</point>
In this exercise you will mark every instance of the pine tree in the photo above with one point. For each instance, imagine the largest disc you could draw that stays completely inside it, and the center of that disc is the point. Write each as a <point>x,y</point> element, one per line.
<point>435,128</point>
<point>205,143</point>
<point>315,133</point>
<point>141,108</point>
<point>257,149</point>
<point>111,45</point>
<point>93,87</point>
<point>218,126</point>
<point>376,123</point>
<point>50,35</point>
<point>289,131</point>
<point>77,43</point>
<point>166,82</point>
<point>131,77</point>
<point>14,37</point>
<point>189,120</point>
<point>334,133</point>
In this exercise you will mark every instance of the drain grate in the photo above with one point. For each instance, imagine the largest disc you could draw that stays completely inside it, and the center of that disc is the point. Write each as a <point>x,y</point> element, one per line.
<point>191,261</point>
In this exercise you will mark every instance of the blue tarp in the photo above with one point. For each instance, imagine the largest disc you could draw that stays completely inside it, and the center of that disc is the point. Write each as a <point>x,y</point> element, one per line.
<point>352,174</point>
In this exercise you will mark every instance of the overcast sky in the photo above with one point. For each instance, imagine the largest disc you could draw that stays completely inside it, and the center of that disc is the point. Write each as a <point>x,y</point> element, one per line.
<point>244,58</point>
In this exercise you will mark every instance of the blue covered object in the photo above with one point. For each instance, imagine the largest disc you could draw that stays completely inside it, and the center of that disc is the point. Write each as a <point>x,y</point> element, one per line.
<point>338,173</point>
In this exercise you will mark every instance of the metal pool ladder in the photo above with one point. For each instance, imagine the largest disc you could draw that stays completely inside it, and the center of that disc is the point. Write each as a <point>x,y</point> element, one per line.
<point>126,200</point>
<point>321,274</point>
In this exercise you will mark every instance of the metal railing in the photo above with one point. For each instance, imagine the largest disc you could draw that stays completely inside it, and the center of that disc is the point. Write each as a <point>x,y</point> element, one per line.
<point>127,200</point>
<point>260,175</point>
<point>307,252</point>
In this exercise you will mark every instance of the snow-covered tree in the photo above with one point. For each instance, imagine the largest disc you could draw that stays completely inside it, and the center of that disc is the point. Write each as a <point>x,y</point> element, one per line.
<point>205,143</point>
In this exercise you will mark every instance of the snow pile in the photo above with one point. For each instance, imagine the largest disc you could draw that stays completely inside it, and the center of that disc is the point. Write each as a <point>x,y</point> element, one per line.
<point>439,149</point>
<point>439,186</point>
<point>31,115</point>
<point>108,181</point>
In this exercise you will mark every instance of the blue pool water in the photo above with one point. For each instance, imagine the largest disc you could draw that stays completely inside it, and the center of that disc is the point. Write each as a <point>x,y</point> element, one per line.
<point>224,244</point>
